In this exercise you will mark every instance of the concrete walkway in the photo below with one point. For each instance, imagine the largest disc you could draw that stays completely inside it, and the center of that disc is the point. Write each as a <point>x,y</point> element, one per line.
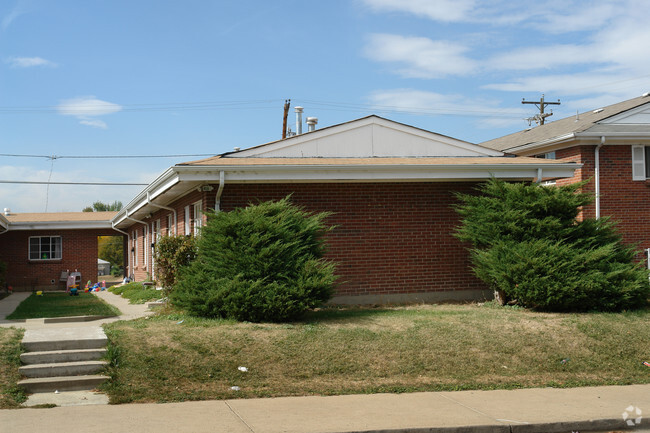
<point>129,312</point>
<point>529,410</point>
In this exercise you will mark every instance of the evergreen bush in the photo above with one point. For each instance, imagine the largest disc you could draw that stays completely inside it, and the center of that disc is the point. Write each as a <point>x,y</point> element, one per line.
<point>529,245</point>
<point>259,263</point>
<point>171,254</point>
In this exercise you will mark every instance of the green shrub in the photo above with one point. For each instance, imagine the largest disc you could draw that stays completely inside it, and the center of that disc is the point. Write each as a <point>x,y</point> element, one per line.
<point>259,263</point>
<point>136,292</point>
<point>528,244</point>
<point>171,254</point>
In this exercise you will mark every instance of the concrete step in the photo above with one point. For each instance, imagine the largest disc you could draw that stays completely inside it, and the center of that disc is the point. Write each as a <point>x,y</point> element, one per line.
<point>65,383</point>
<point>41,340</point>
<point>77,368</point>
<point>49,357</point>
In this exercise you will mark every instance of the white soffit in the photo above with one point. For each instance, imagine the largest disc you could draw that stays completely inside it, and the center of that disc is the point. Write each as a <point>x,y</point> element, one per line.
<point>636,116</point>
<point>367,138</point>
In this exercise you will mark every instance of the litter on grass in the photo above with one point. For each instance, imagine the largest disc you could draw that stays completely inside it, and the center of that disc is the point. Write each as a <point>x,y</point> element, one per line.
<point>565,360</point>
<point>242,368</point>
<point>646,363</point>
<point>180,321</point>
<point>235,388</point>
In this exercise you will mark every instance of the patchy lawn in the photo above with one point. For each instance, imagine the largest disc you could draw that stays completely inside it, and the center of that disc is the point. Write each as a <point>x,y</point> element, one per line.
<point>137,293</point>
<point>11,396</point>
<point>357,350</point>
<point>59,304</point>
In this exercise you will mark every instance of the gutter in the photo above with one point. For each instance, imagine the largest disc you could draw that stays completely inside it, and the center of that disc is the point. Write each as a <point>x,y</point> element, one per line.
<point>165,207</point>
<point>597,174</point>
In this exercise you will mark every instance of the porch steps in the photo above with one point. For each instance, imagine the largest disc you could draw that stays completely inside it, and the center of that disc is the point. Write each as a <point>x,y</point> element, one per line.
<point>63,359</point>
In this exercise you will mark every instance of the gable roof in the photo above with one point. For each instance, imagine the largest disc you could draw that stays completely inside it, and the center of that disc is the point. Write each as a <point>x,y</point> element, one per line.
<point>368,137</point>
<point>589,124</point>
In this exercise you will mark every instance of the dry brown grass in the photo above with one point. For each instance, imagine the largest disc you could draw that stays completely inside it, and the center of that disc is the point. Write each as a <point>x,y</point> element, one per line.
<point>10,395</point>
<point>397,349</point>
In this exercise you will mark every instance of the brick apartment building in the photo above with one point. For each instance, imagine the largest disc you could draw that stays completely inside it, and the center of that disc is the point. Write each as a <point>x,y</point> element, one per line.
<point>391,188</point>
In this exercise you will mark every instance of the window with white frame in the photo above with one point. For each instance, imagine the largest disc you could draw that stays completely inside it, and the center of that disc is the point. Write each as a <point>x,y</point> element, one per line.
<point>640,162</point>
<point>134,248</point>
<point>170,223</point>
<point>45,248</point>
<point>197,213</point>
<point>187,221</point>
<point>145,237</point>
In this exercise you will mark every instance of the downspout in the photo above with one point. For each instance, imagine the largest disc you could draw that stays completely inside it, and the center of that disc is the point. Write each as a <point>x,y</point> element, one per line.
<point>597,174</point>
<point>217,200</point>
<point>164,207</point>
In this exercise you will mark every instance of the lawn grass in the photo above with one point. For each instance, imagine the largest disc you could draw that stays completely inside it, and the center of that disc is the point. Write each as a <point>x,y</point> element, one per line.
<point>136,293</point>
<point>60,304</point>
<point>364,350</point>
<point>11,396</point>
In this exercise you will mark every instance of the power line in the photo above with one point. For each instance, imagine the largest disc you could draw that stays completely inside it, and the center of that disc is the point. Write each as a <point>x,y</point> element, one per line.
<point>27,182</point>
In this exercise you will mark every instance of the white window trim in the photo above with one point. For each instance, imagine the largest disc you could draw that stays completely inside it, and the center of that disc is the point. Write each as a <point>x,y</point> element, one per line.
<point>197,222</point>
<point>638,162</point>
<point>145,238</point>
<point>39,259</point>
<point>187,220</point>
<point>135,246</point>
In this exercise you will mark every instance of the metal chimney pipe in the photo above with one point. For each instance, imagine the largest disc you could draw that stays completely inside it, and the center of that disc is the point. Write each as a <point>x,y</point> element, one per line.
<point>311,122</point>
<point>299,120</point>
<point>7,211</point>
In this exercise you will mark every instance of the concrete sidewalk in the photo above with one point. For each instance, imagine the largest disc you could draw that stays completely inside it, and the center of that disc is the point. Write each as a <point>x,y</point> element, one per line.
<point>528,410</point>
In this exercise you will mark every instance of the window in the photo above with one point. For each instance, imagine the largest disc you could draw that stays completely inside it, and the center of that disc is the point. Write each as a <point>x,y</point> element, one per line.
<point>640,163</point>
<point>197,212</point>
<point>45,248</point>
<point>134,248</point>
<point>145,236</point>
<point>170,231</point>
<point>187,220</point>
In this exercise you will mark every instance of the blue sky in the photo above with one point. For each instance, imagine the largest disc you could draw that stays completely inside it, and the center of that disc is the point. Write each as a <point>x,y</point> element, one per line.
<point>128,78</point>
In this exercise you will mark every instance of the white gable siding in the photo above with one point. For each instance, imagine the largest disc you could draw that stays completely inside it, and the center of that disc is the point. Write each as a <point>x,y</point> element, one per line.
<point>368,138</point>
<point>636,116</point>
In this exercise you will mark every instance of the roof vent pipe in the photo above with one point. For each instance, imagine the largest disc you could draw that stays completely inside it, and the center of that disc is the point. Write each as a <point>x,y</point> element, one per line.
<point>7,211</point>
<point>311,122</point>
<point>299,120</point>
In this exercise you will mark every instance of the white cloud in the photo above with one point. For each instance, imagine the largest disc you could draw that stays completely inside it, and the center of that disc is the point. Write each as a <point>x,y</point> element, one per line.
<point>439,10</point>
<point>431,103</point>
<point>94,123</point>
<point>17,11</point>
<point>28,62</point>
<point>87,107</point>
<point>421,57</point>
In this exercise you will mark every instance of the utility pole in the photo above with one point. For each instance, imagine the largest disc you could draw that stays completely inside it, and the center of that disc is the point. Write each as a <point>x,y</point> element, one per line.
<point>287,103</point>
<point>539,118</point>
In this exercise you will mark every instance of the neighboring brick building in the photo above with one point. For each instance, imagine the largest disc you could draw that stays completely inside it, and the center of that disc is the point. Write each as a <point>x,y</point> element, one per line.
<point>613,145</point>
<point>37,247</point>
<point>390,187</point>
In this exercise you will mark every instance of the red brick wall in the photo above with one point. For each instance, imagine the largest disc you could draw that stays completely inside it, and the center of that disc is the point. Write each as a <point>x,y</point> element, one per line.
<point>624,200</point>
<point>79,251</point>
<point>390,238</point>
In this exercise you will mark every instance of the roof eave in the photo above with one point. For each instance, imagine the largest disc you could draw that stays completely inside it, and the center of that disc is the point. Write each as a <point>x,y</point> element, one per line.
<point>59,225</point>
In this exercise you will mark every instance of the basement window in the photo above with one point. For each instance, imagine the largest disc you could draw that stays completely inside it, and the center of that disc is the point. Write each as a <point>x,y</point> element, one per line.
<point>45,248</point>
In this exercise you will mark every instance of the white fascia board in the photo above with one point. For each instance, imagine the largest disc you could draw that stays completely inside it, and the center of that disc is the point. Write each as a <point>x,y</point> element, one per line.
<point>165,181</point>
<point>543,143</point>
<point>60,225</point>
<point>4,223</point>
<point>342,173</point>
<point>621,134</point>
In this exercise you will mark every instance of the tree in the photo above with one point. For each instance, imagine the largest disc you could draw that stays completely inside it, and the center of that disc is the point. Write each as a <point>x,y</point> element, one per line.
<point>99,206</point>
<point>259,263</point>
<point>111,249</point>
<point>529,246</point>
